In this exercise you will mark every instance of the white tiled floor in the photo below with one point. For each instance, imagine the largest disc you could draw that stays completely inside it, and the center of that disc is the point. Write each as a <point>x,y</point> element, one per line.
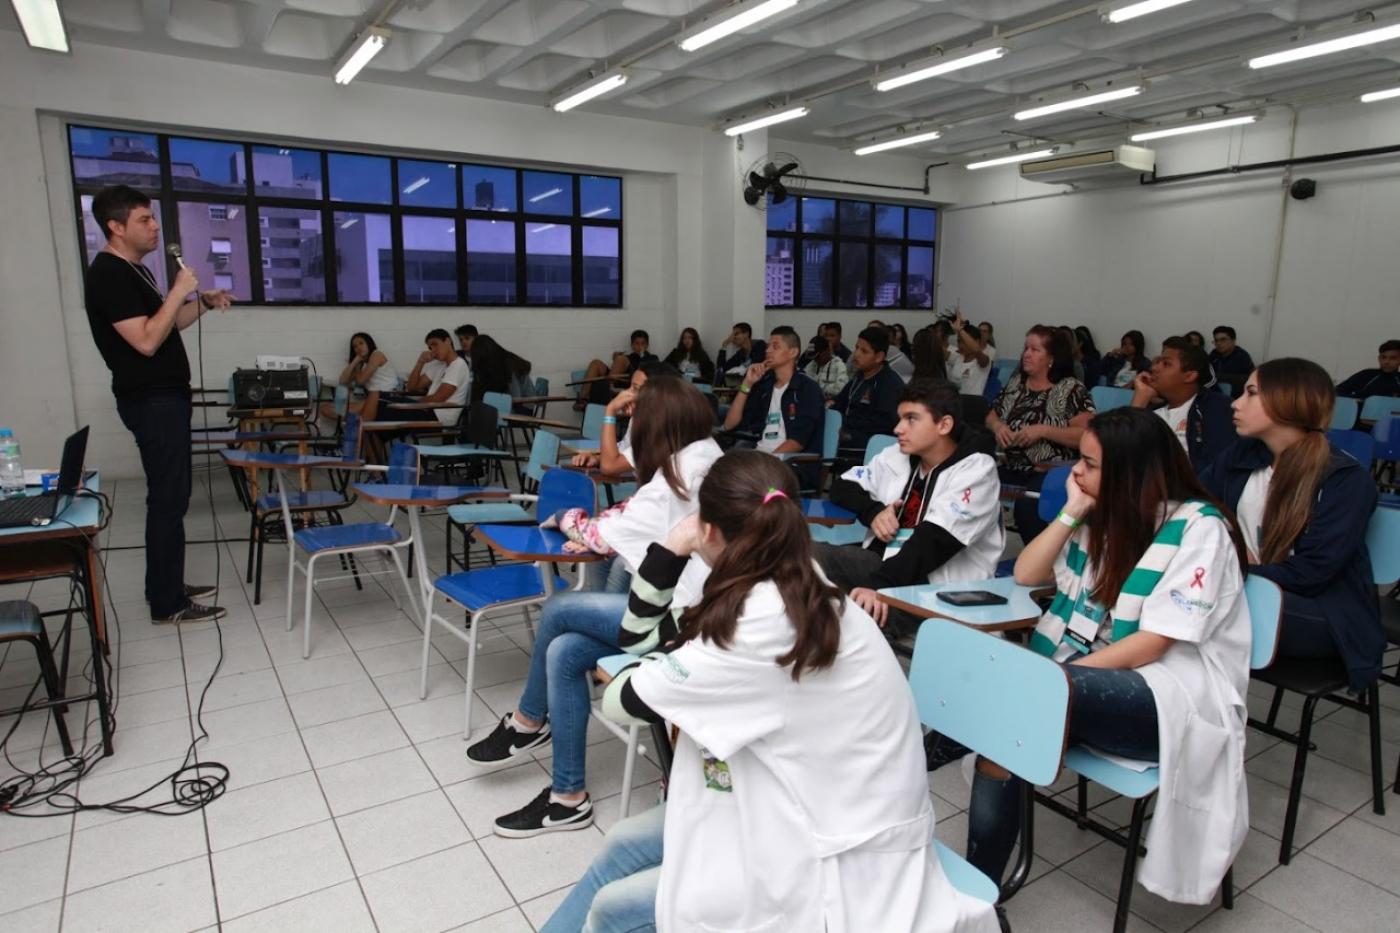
<point>351,805</point>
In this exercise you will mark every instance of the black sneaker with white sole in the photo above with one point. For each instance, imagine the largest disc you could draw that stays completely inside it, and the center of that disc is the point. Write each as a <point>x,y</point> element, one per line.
<point>192,612</point>
<point>195,591</point>
<point>543,815</point>
<point>506,742</point>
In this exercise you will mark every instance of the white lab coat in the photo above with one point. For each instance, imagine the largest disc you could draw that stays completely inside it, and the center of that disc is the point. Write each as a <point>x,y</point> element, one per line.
<point>652,511</point>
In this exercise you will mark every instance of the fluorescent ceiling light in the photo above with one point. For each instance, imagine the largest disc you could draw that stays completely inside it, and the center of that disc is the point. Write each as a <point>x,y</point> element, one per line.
<point>899,142</point>
<point>743,16</point>
<point>1079,103</point>
<point>42,24</point>
<point>361,51</point>
<point>933,67</point>
<point>1134,10</point>
<point>1373,96</point>
<point>1193,128</point>
<point>349,223</point>
<point>769,120</point>
<point>543,228</point>
<point>422,180</point>
<point>589,90</point>
<point>1328,47</point>
<point>598,212</point>
<point>1011,159</point>
<point>546,194</point>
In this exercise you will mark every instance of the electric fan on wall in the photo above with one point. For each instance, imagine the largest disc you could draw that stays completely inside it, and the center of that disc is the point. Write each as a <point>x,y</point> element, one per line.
<point>771,175</point>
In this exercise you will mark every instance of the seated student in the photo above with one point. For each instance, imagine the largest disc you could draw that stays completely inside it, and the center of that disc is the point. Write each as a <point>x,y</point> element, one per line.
<point>771,821</point>
<point>1122,364</point>
<point>690,359</point>
<point>780,406</point>
<point>1384,380</point>
<point>367,368</point>
<point>1090,360</point>
<point>1196,337</point>
<point>989,334</point>
<point>833,339</point>
<point>736,354</point>
<point>614,452</point>
<point>1303,506</point>
<point>1179,389</point>
<point>496,369</point>
<point>1151,623</point>
<point>897,357</point>
<point>674,451</point>
<point>867,404</point>
<point>1232,363</point>
<point>969,362</point>
<point>428,366</point>
<point>453,383</point>
<point>826,367</point>
<point>623,364</point>
<point>465,335</point>
<point>814,346</point>
<point>929,356</point>
<point>932,504</point>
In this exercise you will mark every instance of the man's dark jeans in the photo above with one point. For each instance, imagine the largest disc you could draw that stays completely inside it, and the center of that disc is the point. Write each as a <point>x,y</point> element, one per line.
<point>161,424</point>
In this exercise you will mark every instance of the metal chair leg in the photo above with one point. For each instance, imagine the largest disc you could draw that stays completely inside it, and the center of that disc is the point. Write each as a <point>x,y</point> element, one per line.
<point>1082,801</point>
<point>1125,883</point>
<point>1274,705</point>
<point>1227,889</point>
<point>1295,790</point>
<point>53,687</point>
<point>1373,713</point>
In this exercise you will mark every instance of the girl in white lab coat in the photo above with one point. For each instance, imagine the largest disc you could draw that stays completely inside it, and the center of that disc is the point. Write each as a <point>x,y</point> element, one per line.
<point>798,798</point>
<point>1150,619</point>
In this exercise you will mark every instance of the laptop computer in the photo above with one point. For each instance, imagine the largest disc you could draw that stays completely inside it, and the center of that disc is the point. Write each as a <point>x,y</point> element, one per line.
<point>42,509</point>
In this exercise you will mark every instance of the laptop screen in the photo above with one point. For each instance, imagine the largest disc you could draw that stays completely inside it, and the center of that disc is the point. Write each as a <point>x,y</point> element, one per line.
<point>70,470</point>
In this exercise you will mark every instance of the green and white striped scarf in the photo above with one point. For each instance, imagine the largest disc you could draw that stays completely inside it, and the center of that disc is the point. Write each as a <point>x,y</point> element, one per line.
<point>1123,621</point>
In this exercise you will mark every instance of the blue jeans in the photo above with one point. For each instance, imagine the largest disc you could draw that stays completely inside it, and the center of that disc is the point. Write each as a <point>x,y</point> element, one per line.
<point>576,630</point>
<point>618,892</point>
<point>607,576</point>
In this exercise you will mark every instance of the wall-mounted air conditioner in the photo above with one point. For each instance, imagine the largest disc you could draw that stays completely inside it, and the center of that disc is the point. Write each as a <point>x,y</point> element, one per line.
<point>1116,166</point>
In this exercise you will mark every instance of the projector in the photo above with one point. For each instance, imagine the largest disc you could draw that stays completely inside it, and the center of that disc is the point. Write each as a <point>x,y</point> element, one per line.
<point>269,363</point>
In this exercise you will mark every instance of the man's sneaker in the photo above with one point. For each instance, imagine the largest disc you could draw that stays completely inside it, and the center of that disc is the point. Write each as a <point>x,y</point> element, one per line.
<point>195,591</point>
<point>506,742</point>
<point>543,815</point>
<point>193,612</point>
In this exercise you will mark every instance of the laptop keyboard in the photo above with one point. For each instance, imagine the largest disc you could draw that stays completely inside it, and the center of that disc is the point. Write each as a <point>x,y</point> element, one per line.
<point>23,510</point>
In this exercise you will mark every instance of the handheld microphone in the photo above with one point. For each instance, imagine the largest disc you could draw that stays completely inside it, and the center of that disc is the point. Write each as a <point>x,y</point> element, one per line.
<point>175,253</point>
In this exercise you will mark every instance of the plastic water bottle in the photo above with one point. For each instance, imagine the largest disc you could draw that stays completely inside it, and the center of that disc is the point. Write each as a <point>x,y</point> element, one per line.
<point>11,473</point>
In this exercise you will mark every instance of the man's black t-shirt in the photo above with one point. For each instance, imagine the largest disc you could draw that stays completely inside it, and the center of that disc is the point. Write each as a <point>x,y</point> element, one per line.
<point>117,290</point>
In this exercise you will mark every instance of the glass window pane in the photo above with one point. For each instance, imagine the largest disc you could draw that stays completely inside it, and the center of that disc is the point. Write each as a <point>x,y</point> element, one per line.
<point>286,173</point>
<point>491,262</point>
<point>294,267</point>
<point>214,238</point>
<point>888,274</point>
<point>782,217</point>
<point>889,220</point>
<point>427,184</point>
<point>93,241</point>
<point>359,178</point>
<point>855,218</point>
<point>487,188</point>
<point>548,264</point>
<point>919,283</point>
<point>778,274</point>
<point>549,193</point>
<point>599,196</point>
<point>920,225</point>
<point>602,266</point>
<point>114,157</point>
<point>207,165</point>
<point>816,273</point>
<point>855,264</point>
<point>818,215</point>
<point>430,260</point>
<point>364,250</point>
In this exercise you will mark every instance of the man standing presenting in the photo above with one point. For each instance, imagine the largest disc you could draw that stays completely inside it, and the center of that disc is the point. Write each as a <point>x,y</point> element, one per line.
<point>137,331</point>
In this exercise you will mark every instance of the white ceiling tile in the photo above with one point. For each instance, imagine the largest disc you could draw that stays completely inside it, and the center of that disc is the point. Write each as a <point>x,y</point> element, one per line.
<point>117,15</point>
<point>204,22</point>
<point>304,35</point>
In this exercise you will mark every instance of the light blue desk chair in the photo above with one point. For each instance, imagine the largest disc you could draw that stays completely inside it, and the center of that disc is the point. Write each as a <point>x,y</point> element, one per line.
<point>544,450</point>
<point>20,621</point>
<point>853,533</point>
<point>1265,607</point>
<point>508,586</point>
<point>1107,398</point>
<point>1344,413</point>
<point>1005,368</point>
<point>480,435</point>
<point>1359,444</point>
<point>1386,433</point>
<point>1376,405</point>
<point>1005,703</point>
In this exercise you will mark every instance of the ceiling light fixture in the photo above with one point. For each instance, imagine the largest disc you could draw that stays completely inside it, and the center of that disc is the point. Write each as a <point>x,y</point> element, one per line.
<point>1011,159</point>
<point>898,142</point>
<point>366,46</point>
<point>598,212</point>
<point>414,186</point>
<point>1199,127</point>
<point>42,24</point>
<point>1134,10</point>
<point>1373,96</point>
<point>927,68</point>
<point>1078,103</point>
<point>1328,46</point>
<point>546,194</point>
<point>769,120</point>
<point>585,92</point>
<point>737,17</point>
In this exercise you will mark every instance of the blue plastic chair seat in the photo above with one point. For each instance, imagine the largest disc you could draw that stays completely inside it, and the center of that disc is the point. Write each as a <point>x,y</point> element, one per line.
<point>310,499</point>
<point>1120,780</point>
<point>477,589</point>
<point>332,537</point>
<point>1007,567</point>
<point>965,878</point>
<point>488,513</point>
<point>459,450</point>
<point>838,534</point>
<point>19,618</point>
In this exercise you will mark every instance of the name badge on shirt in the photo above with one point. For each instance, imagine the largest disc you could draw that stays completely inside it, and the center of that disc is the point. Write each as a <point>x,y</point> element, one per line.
<point>717,774</point>
<point>1085,621</point>
<point>771,430</point>
<point>901,536</point>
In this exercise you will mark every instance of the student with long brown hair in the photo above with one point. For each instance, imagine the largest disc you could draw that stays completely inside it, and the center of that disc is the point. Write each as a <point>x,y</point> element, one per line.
<point>1303,506</point>
<point>798,798</point>
<point>1150,620</point>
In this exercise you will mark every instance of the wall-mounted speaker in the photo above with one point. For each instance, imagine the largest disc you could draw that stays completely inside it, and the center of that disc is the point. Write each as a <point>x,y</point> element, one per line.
<point>1302,189</point>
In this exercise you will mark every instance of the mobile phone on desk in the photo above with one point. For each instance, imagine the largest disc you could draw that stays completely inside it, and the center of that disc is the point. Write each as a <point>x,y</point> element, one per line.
<point>970,598</point>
